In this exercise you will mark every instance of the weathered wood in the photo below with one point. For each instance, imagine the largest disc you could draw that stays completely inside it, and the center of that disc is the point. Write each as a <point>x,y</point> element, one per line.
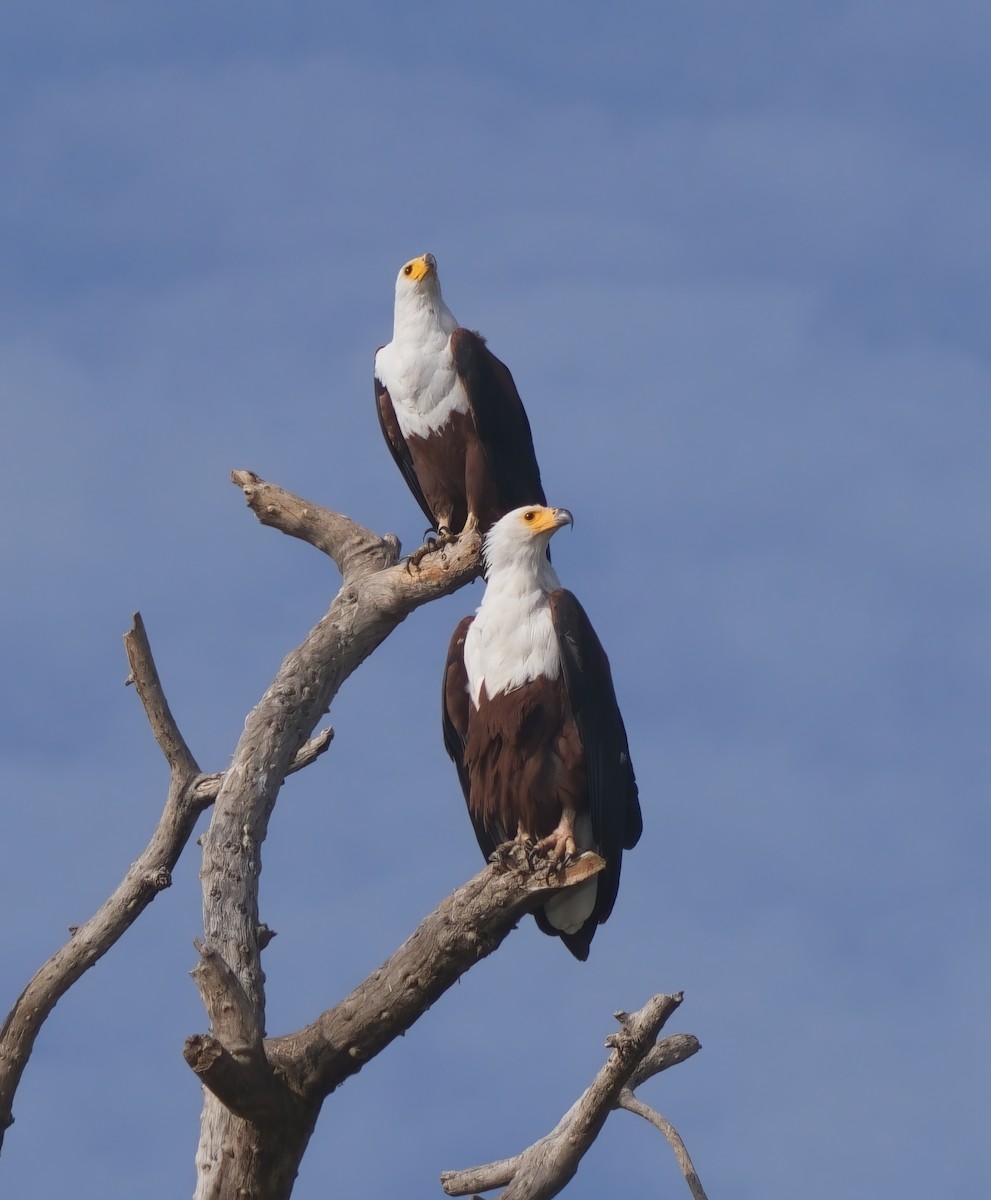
<point>545,1168</point>
<point>189,793</point>
<point>466,927</point>
<point>630,1102</point>
<point>147,876</point>
<point>207,786</point>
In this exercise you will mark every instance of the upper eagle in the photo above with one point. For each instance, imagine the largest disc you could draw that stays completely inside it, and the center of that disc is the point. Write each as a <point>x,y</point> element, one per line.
<point>531,721</point>
<point>450,412</point>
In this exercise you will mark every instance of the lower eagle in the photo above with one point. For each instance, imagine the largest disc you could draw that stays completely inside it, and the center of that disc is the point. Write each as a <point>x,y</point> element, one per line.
<point>532,724</point>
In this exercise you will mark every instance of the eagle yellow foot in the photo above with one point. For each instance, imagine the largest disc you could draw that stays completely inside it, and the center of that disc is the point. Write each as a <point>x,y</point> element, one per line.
<point>551,854</point>
<point>444,538</point>
<point>558,848</point>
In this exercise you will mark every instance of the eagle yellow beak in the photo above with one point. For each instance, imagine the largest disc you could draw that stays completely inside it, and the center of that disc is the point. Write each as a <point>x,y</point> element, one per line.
<point>420,268</point>
<point>545,520</point>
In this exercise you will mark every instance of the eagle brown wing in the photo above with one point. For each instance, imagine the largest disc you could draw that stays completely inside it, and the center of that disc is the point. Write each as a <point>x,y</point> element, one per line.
<point>613,797</point>
<point>454,716</point>
<point>500,420</point>
<point>389,423</point>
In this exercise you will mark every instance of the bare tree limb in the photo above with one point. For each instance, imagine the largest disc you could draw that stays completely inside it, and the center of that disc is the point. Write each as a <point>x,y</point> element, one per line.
<point>371,603</point>
<point>358,551</point>
<point>229,1010</point>
<point>355,549</point>
<point>545,1168</point>
<point>668,1052</point>
<point>144,676</point>
<point>189,794</point>
<point>232,1061</point>
<point>207,786</point>
<point>466,927</point>
<point>376,595</point>
<point>150,874</point>
<point>630,1102</point>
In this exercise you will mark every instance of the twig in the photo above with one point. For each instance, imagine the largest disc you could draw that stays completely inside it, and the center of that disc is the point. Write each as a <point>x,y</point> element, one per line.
<point>144,676</point>
<point>207,786</point>
<point>630,1102</point>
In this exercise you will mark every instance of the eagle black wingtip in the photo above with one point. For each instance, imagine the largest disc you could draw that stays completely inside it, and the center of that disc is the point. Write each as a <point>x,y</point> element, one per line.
<point>578,943</point>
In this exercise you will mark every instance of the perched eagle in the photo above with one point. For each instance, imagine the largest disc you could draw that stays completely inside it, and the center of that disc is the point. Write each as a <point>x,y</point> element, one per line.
<point>532,724</point>
<point>450,411</point>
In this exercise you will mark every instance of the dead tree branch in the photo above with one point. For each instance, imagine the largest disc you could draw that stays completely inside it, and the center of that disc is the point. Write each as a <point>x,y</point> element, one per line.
<point>232,1062</point>
<point>545,1168</point>
<point>150,874</point>
<point>190,793</point>
<point>668,1052</point>
<point>466,927</point>
<point>630,1102</point>
<point>207,786</point>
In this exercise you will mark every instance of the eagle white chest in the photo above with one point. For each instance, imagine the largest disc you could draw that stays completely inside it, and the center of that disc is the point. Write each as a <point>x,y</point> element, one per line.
<point>511,641</point>
<point>418,369</point>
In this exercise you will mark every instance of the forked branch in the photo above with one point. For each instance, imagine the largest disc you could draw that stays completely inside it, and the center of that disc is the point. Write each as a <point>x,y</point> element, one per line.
<point>545,1168</point>
<point>150,874</point>
<point>190,792</point>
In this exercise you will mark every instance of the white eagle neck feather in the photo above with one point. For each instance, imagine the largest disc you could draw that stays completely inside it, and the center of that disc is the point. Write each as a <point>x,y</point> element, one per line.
<point>512,639</point>
<point>417,366</point>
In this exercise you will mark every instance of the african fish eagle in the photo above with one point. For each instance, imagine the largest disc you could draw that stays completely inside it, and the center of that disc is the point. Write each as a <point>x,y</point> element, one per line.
<point>532,724</point>
<point>450,412</point>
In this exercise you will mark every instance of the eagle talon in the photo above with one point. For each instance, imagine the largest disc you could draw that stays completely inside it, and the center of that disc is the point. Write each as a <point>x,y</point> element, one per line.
<point>431,545</point>
<point>529,848</point>
<point>559,847</point>
<point>502,856</point>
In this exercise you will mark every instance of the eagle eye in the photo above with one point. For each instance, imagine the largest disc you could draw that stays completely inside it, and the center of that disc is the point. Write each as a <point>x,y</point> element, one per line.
<point>408,269</point>
<point>528,516</point>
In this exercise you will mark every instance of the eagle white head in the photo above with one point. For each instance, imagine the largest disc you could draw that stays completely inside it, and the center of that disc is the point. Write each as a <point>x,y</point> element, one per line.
<point>419,303</point>
<point>517,543</point>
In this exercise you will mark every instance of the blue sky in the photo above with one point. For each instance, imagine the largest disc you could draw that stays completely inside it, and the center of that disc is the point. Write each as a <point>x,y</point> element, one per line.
<point>737,259</point>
